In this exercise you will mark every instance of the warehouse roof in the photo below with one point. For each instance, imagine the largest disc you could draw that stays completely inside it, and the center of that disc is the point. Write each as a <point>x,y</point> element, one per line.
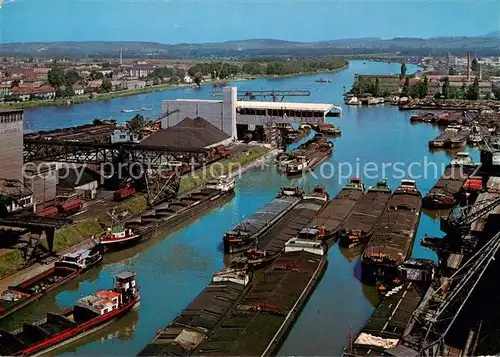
<point>188,134</point>
<point>70,177</point>
<point>285,106</point>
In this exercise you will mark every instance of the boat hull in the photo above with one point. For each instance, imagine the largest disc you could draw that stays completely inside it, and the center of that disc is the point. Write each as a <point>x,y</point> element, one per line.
<point>80,331</point>
<point>348,242</point>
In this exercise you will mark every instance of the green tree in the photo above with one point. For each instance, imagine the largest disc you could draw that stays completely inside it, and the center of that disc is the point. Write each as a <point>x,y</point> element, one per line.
<point>96,75</point>
<point>156,81</point>
<point>175,79</point>
<point>71,77</point>
<point>69,92</point>
<point>5,59</point>
<point>474,66</point>
<point>473,90</point>
<point>406,87</point>
<point>403,69</point>
<point>14,83</point>
<point>445,90</point>
<point>451,71</point>
<point>424,88</point>
<point>55,77</point>
<point>376,89</point>
<point>106,85</point>
<point>137,124</point>
<point>198,79</point>
<point>496,92</point>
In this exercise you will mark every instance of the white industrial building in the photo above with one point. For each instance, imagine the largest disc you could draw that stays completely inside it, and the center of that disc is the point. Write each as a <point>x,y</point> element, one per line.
<point>225,114</point>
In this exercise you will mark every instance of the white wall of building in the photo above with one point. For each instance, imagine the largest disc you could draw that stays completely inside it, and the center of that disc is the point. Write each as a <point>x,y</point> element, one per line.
<point>221,114</point>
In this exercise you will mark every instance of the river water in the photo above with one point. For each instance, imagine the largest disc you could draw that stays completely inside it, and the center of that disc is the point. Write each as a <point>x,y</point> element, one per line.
<point>172,270</point>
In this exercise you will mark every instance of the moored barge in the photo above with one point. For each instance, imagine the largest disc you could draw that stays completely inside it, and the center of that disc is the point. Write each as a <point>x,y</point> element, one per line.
<point>306,157</point>
<point>327,129</point>
<point>89,314</point>
<point>201,316</point>
<point>392,240</point>
<point>244,235</point>
<point>270,244</point>
<point>365,215</point>
<point>69,267</point>
<point>261,320</point>
<point>168,215</point>
<point>440,140</point>
<point>338,209</point>
<point>444,193</point>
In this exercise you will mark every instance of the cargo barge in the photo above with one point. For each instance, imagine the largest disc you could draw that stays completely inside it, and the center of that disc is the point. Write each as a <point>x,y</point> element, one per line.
<point>306,157</point>
<point>338,209</point>
<point>244,235</point>
<point>361,223</point>
<point>269,245</point>
<point>459,140</point>
<point>201,316</point>
<point>261,320</point>
<point>167,215</point>
<point>392,240</point>
<point>440,140</point>
<point>88,315</point>
<point>327,129</point>
<point>444,193</point>
<point>386,327</point>
<point>69,267</point>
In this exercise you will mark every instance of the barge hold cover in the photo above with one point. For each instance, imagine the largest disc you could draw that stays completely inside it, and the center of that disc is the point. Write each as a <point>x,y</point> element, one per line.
<point>268,309</point>
<point>367,212</point>
<point>189,329</point>
<point>337,210</point>
<point>394,234</point>
<point>290,225</point>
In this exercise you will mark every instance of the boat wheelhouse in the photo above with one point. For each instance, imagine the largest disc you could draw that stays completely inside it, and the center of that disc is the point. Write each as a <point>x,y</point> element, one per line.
<point>223,184</point>
<point>89,314</point>
<point>304,245</point>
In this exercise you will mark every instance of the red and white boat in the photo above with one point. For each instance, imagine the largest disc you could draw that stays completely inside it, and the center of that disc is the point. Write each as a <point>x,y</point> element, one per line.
<point>88,315</point>
<point>118,238</point>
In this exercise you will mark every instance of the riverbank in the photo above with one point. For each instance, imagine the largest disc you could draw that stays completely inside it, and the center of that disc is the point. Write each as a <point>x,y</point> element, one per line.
<point>67,238</point>
<point>65,102</point>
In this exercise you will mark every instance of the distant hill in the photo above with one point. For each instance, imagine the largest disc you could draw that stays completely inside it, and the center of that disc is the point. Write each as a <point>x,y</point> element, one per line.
<point>487,45</point>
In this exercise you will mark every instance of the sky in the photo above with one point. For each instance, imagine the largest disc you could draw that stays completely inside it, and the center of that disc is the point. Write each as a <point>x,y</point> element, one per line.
<point>196,21</point>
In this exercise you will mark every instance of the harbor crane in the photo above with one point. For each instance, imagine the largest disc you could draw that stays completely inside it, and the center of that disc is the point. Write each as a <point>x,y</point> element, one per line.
<point>272,95</point>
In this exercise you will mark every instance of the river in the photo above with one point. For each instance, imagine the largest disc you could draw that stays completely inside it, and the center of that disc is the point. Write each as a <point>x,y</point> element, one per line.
<point>172,270</point>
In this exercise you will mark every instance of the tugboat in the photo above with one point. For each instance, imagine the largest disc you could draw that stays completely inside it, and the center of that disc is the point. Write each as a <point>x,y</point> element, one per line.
<point>223,184</point>
<point>118,237</point>
<point>257,258</point>
<point>67,268</point>
<point>462,159</point>
<point>89,314</point>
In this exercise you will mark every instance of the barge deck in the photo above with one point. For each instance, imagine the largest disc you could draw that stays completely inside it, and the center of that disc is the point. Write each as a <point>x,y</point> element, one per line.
<point>392,240</point>
<point>443,194</point>
<point>337,210</point>
<point>292,223</point>
<point>258,324</point>
<point>386,326</point>
<point>365,215</point>
<point>196,321</point>
<point>168,215</point>
<point>306,157</point>
<point>244,235</point>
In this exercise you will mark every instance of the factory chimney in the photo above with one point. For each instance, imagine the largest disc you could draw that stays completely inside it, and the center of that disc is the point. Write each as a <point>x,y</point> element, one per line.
<point>121,55</point>
<point>468,66</point>
<point>480,71</point>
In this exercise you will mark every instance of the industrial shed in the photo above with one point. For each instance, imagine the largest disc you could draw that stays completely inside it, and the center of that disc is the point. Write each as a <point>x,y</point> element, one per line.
<point>189,134</point>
